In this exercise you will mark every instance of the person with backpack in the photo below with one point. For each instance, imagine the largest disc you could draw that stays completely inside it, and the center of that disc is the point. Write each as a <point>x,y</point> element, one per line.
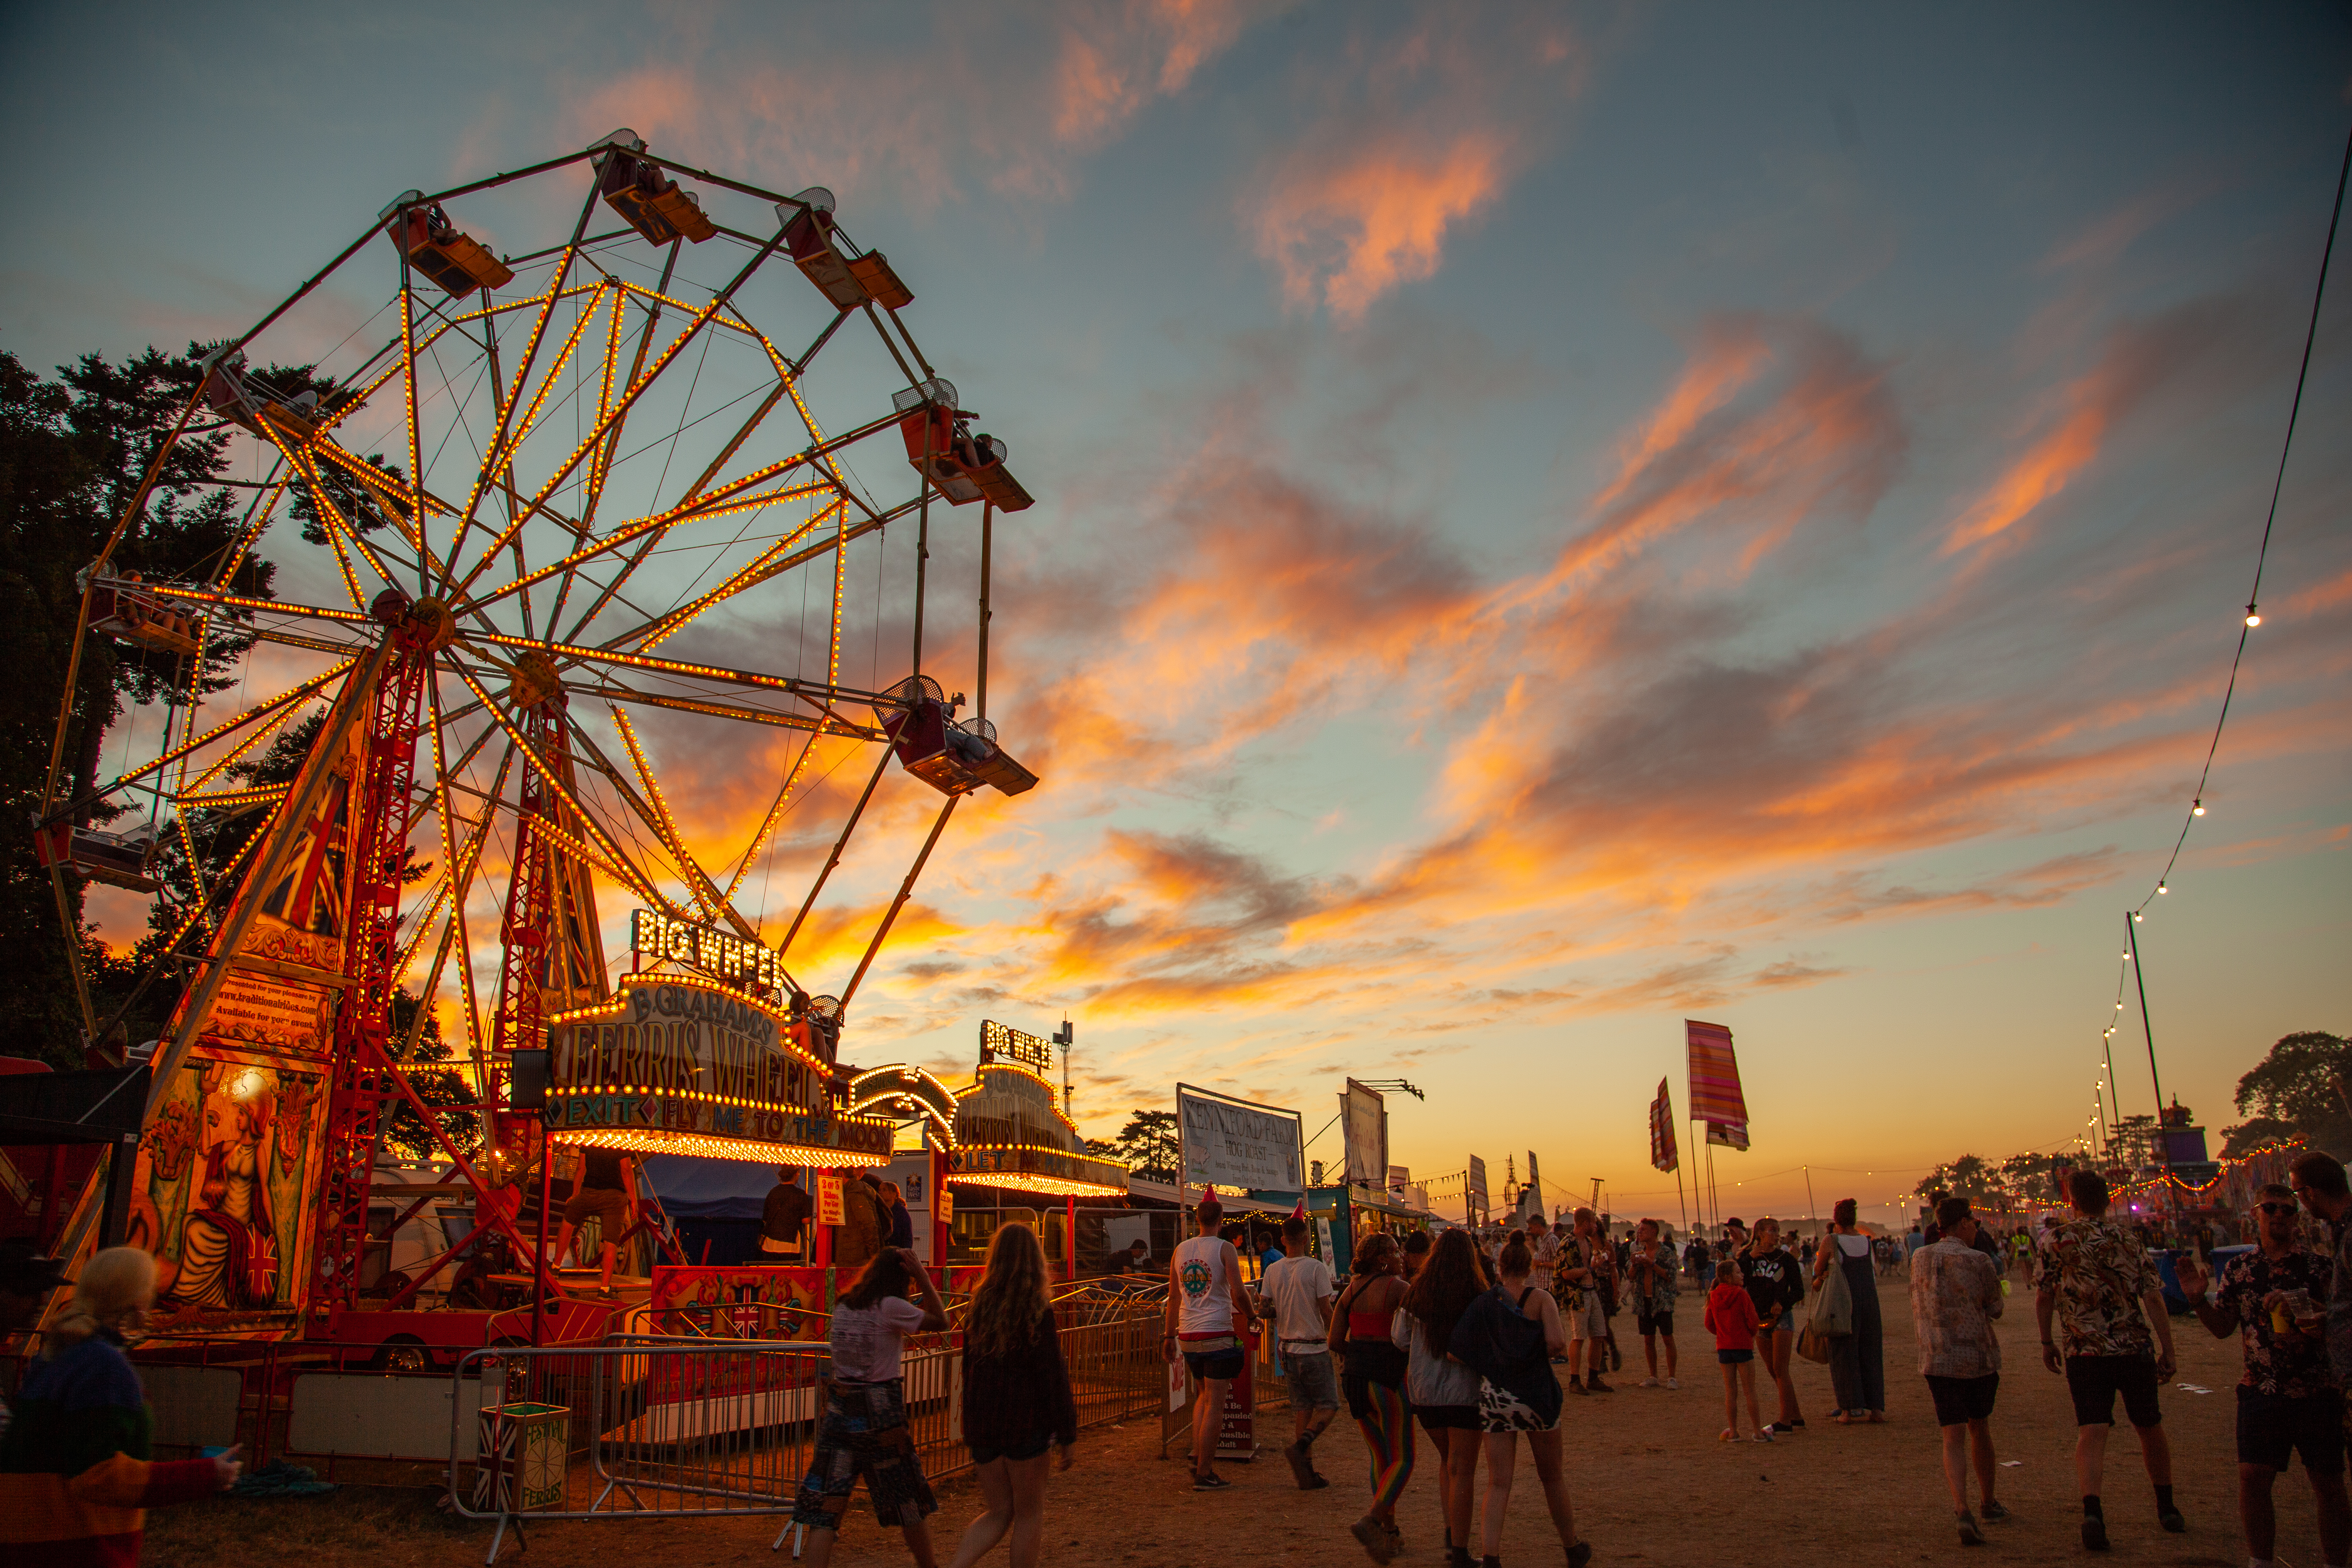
<point>1508,1337</point>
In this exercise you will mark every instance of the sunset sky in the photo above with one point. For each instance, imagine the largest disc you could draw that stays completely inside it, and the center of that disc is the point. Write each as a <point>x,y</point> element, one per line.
<point>1551,520</point>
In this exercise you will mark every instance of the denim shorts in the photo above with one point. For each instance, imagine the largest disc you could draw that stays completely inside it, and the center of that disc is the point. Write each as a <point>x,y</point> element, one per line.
<point>1314,1385</point>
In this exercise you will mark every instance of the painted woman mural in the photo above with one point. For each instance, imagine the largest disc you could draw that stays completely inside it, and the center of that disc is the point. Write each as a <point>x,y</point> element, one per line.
<point>228,1244</point>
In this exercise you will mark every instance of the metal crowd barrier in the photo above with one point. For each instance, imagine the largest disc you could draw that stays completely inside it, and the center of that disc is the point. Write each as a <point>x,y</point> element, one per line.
<point>653,1425</point>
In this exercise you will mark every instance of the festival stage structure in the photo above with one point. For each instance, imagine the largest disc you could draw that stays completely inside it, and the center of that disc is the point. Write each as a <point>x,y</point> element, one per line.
<point>576,525</point>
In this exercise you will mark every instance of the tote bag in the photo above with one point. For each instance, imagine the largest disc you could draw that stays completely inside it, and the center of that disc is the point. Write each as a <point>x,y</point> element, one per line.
<point>1832,1312</point>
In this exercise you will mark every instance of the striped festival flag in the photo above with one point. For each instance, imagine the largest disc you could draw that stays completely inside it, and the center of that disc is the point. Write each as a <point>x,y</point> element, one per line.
<point>1661,1131</point>
<point>1715,1095</point>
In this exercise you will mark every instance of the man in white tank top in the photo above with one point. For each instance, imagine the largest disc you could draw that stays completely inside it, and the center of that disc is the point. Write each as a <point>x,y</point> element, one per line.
<point>1206,1303</point>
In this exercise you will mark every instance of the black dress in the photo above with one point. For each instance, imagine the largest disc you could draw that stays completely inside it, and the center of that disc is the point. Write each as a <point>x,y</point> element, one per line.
<point>1858,1360</point>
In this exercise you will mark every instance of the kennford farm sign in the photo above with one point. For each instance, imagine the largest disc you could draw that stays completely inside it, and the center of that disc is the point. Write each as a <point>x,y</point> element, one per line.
<point>679,1066</point>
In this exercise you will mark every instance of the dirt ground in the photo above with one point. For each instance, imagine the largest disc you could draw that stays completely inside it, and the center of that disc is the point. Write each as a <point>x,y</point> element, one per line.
<point>1652,1485</point>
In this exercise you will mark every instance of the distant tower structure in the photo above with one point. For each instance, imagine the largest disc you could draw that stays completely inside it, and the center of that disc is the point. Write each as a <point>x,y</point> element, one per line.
<point>1065,1037</point>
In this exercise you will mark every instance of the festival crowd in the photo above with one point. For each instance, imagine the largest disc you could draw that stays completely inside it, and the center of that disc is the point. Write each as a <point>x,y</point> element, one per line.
<point>1449,1345</point>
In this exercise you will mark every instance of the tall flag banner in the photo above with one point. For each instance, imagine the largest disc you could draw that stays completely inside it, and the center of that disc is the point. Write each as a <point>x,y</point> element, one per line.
<point>1663,1155</point>
<point>1714,1094</point>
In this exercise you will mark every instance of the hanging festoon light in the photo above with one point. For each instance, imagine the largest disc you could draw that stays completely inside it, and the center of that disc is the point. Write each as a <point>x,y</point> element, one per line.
<point>2254,617</point>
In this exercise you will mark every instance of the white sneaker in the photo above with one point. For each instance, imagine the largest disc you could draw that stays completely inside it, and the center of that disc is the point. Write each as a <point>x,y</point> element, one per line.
<point>1672,1384</point>
<point>1649,1383</point>
<point>1761,1438</point>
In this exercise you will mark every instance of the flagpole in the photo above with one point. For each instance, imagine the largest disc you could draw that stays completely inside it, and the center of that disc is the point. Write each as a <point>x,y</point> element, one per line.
<point>1679,1203</point>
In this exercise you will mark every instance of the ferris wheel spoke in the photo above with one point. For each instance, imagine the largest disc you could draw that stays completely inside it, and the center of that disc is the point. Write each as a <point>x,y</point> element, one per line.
<point>692,330</point>
<point>504,442</point>
<point>613,691</point>
<point>628,567</point>
<point>654,812</point>
<point>754,573</point>
<point>606,853</point>
<point>768,823</point>
<point>574,653</point>
<point>711,506</point>
<point>444,771</point>
<point>278,704</point>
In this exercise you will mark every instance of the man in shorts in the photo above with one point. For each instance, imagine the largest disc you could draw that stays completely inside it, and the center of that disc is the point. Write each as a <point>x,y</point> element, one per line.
<point>607,1188</point>
<point>1650,1273</point>
<point>1296,1293</point>
<point>1206,1310</point>
<point>1576,1269</point>
<point>1954,1297</point>
<point>2286,1402</point>
<point>2096,1280</point>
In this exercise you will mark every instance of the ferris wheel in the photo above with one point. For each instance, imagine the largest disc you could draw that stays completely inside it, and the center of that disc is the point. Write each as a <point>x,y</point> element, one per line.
<point>569,486</point>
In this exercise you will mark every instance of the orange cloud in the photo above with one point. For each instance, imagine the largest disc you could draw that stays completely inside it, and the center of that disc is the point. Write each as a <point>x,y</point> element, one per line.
<point>1344,234</point>
<point>1115,59</point>
<point>1410,138</point>
<point>2138,360</point>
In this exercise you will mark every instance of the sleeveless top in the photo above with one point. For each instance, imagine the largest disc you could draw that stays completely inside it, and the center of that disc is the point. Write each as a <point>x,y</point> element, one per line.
<point>1371,1351</point>
<point>1205,1303</point>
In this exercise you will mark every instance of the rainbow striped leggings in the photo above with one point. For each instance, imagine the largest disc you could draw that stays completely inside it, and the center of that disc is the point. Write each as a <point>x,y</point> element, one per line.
<point>1385,1418</point>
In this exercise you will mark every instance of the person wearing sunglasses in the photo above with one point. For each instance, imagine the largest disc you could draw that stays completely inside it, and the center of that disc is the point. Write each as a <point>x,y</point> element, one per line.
<point>2276,1298</point>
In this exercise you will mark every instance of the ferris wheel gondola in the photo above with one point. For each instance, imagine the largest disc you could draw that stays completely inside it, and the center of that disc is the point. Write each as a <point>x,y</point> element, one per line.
<point>599,465</point>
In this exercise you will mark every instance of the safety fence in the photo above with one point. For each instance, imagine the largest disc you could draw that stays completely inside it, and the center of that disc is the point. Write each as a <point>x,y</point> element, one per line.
<point>656,1426</point>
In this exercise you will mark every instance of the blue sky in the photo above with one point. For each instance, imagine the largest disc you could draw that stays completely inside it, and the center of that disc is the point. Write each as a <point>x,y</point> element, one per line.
<point>1551,519</point>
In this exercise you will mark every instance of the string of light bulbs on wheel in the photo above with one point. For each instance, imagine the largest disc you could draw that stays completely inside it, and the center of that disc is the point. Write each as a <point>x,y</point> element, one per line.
<point>2106,1086</point>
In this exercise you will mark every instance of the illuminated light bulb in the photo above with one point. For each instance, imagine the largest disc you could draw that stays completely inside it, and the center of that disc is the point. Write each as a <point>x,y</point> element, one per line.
<point>2162,889</point>
<point>2127,956</point>
<point>2136,915</point>
<point>2254,618</point>
<point>2196,808</point>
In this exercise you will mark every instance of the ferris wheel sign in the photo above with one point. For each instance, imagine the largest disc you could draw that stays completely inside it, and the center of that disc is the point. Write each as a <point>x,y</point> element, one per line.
<point>678,1066</point>
<point>721,954</point>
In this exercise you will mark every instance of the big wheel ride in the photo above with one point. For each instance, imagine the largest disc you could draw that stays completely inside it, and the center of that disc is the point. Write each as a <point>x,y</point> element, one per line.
<point>557,492</point>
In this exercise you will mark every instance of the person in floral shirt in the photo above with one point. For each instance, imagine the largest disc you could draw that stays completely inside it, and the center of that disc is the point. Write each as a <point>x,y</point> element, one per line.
<point>2286,1401</point>
<point>2094,1277</point>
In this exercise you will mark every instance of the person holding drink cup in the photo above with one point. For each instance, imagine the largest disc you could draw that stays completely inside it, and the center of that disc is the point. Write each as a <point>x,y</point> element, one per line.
<point>2275,1298</point>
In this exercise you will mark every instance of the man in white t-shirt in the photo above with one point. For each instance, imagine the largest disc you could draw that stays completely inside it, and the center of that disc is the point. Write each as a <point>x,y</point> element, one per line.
<point>1296,1293</point>
<point>1206,1309</point>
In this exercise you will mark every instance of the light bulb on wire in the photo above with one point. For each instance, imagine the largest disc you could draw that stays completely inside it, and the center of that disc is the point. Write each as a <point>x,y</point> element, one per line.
<point>2196,808</point>
<point>2254,617</point>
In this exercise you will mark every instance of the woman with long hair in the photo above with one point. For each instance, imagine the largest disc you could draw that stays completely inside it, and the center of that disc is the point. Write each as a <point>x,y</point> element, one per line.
<point>1016,1397</point>
<point>1445,1392</point>
<point>1524,1397</point>
<point>1372,1377</point>
<point>75,1479</point>
<point>863,1433</point>
<point>1857,1361</point>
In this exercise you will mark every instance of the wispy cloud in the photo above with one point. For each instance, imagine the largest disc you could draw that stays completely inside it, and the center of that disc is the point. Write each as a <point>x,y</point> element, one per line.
<point>1407,139</point>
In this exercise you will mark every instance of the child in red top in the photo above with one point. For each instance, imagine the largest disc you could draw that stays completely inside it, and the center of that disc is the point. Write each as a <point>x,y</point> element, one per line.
<point>1731,1319</point>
